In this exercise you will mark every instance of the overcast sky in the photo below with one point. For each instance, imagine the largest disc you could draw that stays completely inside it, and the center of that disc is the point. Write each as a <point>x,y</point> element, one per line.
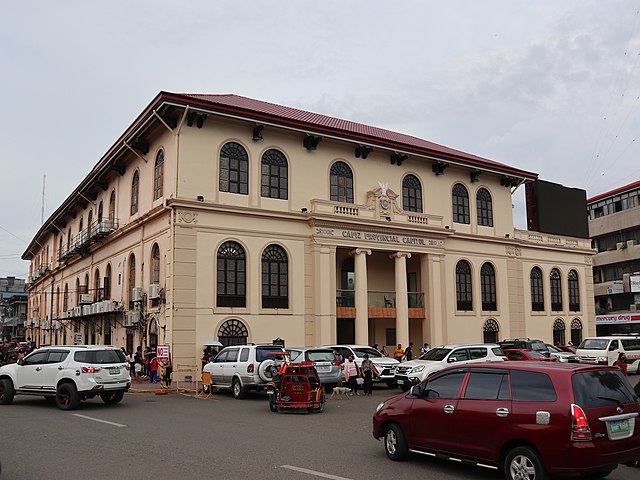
<point>547,86</point>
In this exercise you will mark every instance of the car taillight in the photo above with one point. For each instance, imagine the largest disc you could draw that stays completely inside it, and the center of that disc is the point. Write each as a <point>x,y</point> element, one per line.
<point>250,368</point>
<point>336,363</point>
<point>580,431</point>
<point>89,369</point>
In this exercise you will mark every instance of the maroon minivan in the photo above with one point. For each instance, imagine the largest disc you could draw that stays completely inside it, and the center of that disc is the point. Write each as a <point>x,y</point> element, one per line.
<point>532,419</point>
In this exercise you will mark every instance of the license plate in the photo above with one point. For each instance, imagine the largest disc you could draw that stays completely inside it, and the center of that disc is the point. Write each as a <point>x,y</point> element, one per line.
<point>114,371</point>
<point>270,392</point>
<point>322,368</point>
<point>619,426</point>
<point>400,382</point>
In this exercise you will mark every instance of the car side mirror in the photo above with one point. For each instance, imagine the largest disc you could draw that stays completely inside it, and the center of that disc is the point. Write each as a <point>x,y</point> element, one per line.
<point>415,391</point>
<point>452,359</point>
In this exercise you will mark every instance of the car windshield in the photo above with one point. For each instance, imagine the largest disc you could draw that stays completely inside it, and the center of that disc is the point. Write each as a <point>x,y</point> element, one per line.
<point>100,357</point>
<point>360,351</point>
<point>267,353</point>
<point>538,346</point>
<point>594,344</point>
<point>436,354</point>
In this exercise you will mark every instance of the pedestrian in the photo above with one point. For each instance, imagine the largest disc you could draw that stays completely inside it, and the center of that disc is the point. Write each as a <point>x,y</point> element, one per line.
<point>137,358</point>
<point>339,356</point>
<point>351,374</point>
<point>375,346</point>
<point>621,363</point>
<point>21,354</point>
<point>398,353</point>
<point>425,348</point>
<point>408,353</point>
<point>30,345</point>
<point>206,356</point>
<point>153,370</point>
<point>367,372</point>
<point>384,351</point>
<point>131,361</point>
<point>146,360</point>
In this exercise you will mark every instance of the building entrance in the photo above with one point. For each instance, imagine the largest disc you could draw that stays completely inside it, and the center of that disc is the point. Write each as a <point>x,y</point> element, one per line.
<point>345,331</point>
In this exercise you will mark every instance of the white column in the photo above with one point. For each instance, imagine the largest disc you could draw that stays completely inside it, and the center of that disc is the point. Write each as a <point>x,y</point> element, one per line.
<point>362,296</point>
<point>402,298</point>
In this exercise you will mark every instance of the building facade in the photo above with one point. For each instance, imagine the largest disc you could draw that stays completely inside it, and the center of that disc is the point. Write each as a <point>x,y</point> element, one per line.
<point>614,227</point>
<point>218,217</point>
<point>13,308</point>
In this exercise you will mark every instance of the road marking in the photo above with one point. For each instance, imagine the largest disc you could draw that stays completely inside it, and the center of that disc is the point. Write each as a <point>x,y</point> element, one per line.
<point>313,472</point>
<point>98,420</point>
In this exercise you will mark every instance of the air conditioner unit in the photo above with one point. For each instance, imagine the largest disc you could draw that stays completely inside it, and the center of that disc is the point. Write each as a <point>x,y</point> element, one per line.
<point>132,318</point>
<point>54,316</point>
<point>633,307</point>
<point>107,306</point>
<point>57,325</point>
<point>46,325</point>
<point>35,322</point>
<point>86,309</point>
<point>136,294</point>
<point>86,298</point>
<point>77,311</point>
<point>28,323</point>
<point>94,308</point>
<point>154,291</point>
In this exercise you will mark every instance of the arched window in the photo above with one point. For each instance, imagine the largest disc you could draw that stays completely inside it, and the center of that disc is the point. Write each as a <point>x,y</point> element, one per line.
<point>576,332</point>
<point>155,264</point>
<point>463,286</point>
<point>275,278</point>
<point>556,290</point>
<point>488,287</point>
<point>89,220</point>
<point>537,291</point>
<point>107,283</point>
<point>135,187</point>
<point>78,292</point>
<point>112,208</point>
<point>234,169</point>
<point>233,332</point>
<point>460,204</point>
<point>341,183</point>
<point>490,331</point>
<point>484,207</point>
<point>231,281</point>
<point>96,284</point>
<point>81,226</point>
<point>58,302</point>
<point>69,238</point>
<point>100,212</point>
<point>558,331</point>
<point>574,291</point>
<point>65,298</point>
<point>158,175</point>
<point>85,287</point>
<point>411,194</point>
<point>275,175</point>
<point>132,278</point>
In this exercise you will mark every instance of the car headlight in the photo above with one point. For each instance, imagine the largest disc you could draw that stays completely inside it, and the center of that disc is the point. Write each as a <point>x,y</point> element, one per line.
<point>603,359</point>
<point>379,407</point>
<point>417,369</point>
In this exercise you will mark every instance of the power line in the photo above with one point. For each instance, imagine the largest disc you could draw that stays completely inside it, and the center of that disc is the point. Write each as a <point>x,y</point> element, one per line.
<point>13,235</point>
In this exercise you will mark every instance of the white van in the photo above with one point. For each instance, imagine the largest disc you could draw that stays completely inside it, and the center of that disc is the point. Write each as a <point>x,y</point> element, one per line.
<point>605,350</point>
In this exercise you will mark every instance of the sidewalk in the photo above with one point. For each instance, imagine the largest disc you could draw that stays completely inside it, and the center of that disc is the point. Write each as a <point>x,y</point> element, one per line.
<point>145,387</point>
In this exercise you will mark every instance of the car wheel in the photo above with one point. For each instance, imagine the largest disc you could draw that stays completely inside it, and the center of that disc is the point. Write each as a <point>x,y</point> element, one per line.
<point>112,398</point>
<point>238,391</point>
<point>394,443</point>
<point>392,384</point>
<point>524,463</point>
<point>6,391</point>
<point>319,409</point>
<point>67,397</point>
<point>272,403</point>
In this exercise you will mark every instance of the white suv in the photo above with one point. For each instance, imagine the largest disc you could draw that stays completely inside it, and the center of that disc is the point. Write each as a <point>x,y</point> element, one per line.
<point>384,367</point>
<point>242,367</point>
<point>413,372</point>
<point>68,374</point>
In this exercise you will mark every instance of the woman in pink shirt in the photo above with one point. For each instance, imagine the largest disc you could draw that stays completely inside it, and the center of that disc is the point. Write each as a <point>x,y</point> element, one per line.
<point>351,373</point>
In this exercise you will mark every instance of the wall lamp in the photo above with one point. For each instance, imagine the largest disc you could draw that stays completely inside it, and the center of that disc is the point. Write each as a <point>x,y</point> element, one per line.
<point>363,151</point>
<point>398,158</point>
<point>473,176</point>
<point>200,120</point>
<point>303,210</point>
<point>200,198</point>
<point>311,142</point>
<point>257,133</point>
<point>191,118</point>
<point>509,182</point>
<point>438,168</point>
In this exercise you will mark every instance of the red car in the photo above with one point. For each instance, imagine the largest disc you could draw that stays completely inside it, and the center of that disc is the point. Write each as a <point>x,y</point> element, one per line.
<point>517,354</point>
<point>530,419</point>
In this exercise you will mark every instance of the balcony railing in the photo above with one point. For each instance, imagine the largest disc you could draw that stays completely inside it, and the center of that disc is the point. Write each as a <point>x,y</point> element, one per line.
<point>378,299</point>
<point>83,240</point>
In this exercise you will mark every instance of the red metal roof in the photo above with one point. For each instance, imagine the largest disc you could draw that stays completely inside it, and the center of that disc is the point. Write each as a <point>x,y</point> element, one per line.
<point>318,123</point>
<point>617,191</point>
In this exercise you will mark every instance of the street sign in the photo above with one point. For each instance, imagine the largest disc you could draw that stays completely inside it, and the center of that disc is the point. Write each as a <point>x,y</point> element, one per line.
<point>162,352</point>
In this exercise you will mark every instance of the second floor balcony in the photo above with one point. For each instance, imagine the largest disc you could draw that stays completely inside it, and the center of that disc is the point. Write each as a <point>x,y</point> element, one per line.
<point>380,304</point>
<point>91,235</point>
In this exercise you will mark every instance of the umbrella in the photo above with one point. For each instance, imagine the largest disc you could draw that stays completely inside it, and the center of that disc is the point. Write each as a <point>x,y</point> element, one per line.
<point>212,343</point>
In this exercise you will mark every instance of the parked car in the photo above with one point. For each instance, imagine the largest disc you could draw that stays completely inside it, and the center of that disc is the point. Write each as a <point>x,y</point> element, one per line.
<point>528,355</point>
<point>68,374</point>
<point>567,348</point>
<point>242,367</point>
<point>525,344</point>
<point>529,419</point>
<point>561,355</point>
<point>413,372</point>
<point>384,367</point>
<point>326,363</point>
<point>605,350</point>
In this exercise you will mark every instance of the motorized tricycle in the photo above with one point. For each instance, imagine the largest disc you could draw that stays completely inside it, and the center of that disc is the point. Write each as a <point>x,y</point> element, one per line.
<point>295,386</point>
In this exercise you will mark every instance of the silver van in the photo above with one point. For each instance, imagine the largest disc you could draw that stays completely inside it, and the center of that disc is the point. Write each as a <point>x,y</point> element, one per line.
<point>327,366</point>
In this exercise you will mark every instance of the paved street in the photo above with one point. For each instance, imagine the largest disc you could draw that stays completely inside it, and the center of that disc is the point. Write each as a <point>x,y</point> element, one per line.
<point>173,436</point>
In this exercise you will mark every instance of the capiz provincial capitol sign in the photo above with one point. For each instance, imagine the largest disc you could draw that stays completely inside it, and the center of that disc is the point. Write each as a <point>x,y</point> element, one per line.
<point>377,237</point>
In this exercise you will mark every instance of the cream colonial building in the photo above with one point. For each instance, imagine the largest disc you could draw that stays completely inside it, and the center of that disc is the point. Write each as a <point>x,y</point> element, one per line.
<point>218,217</point>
